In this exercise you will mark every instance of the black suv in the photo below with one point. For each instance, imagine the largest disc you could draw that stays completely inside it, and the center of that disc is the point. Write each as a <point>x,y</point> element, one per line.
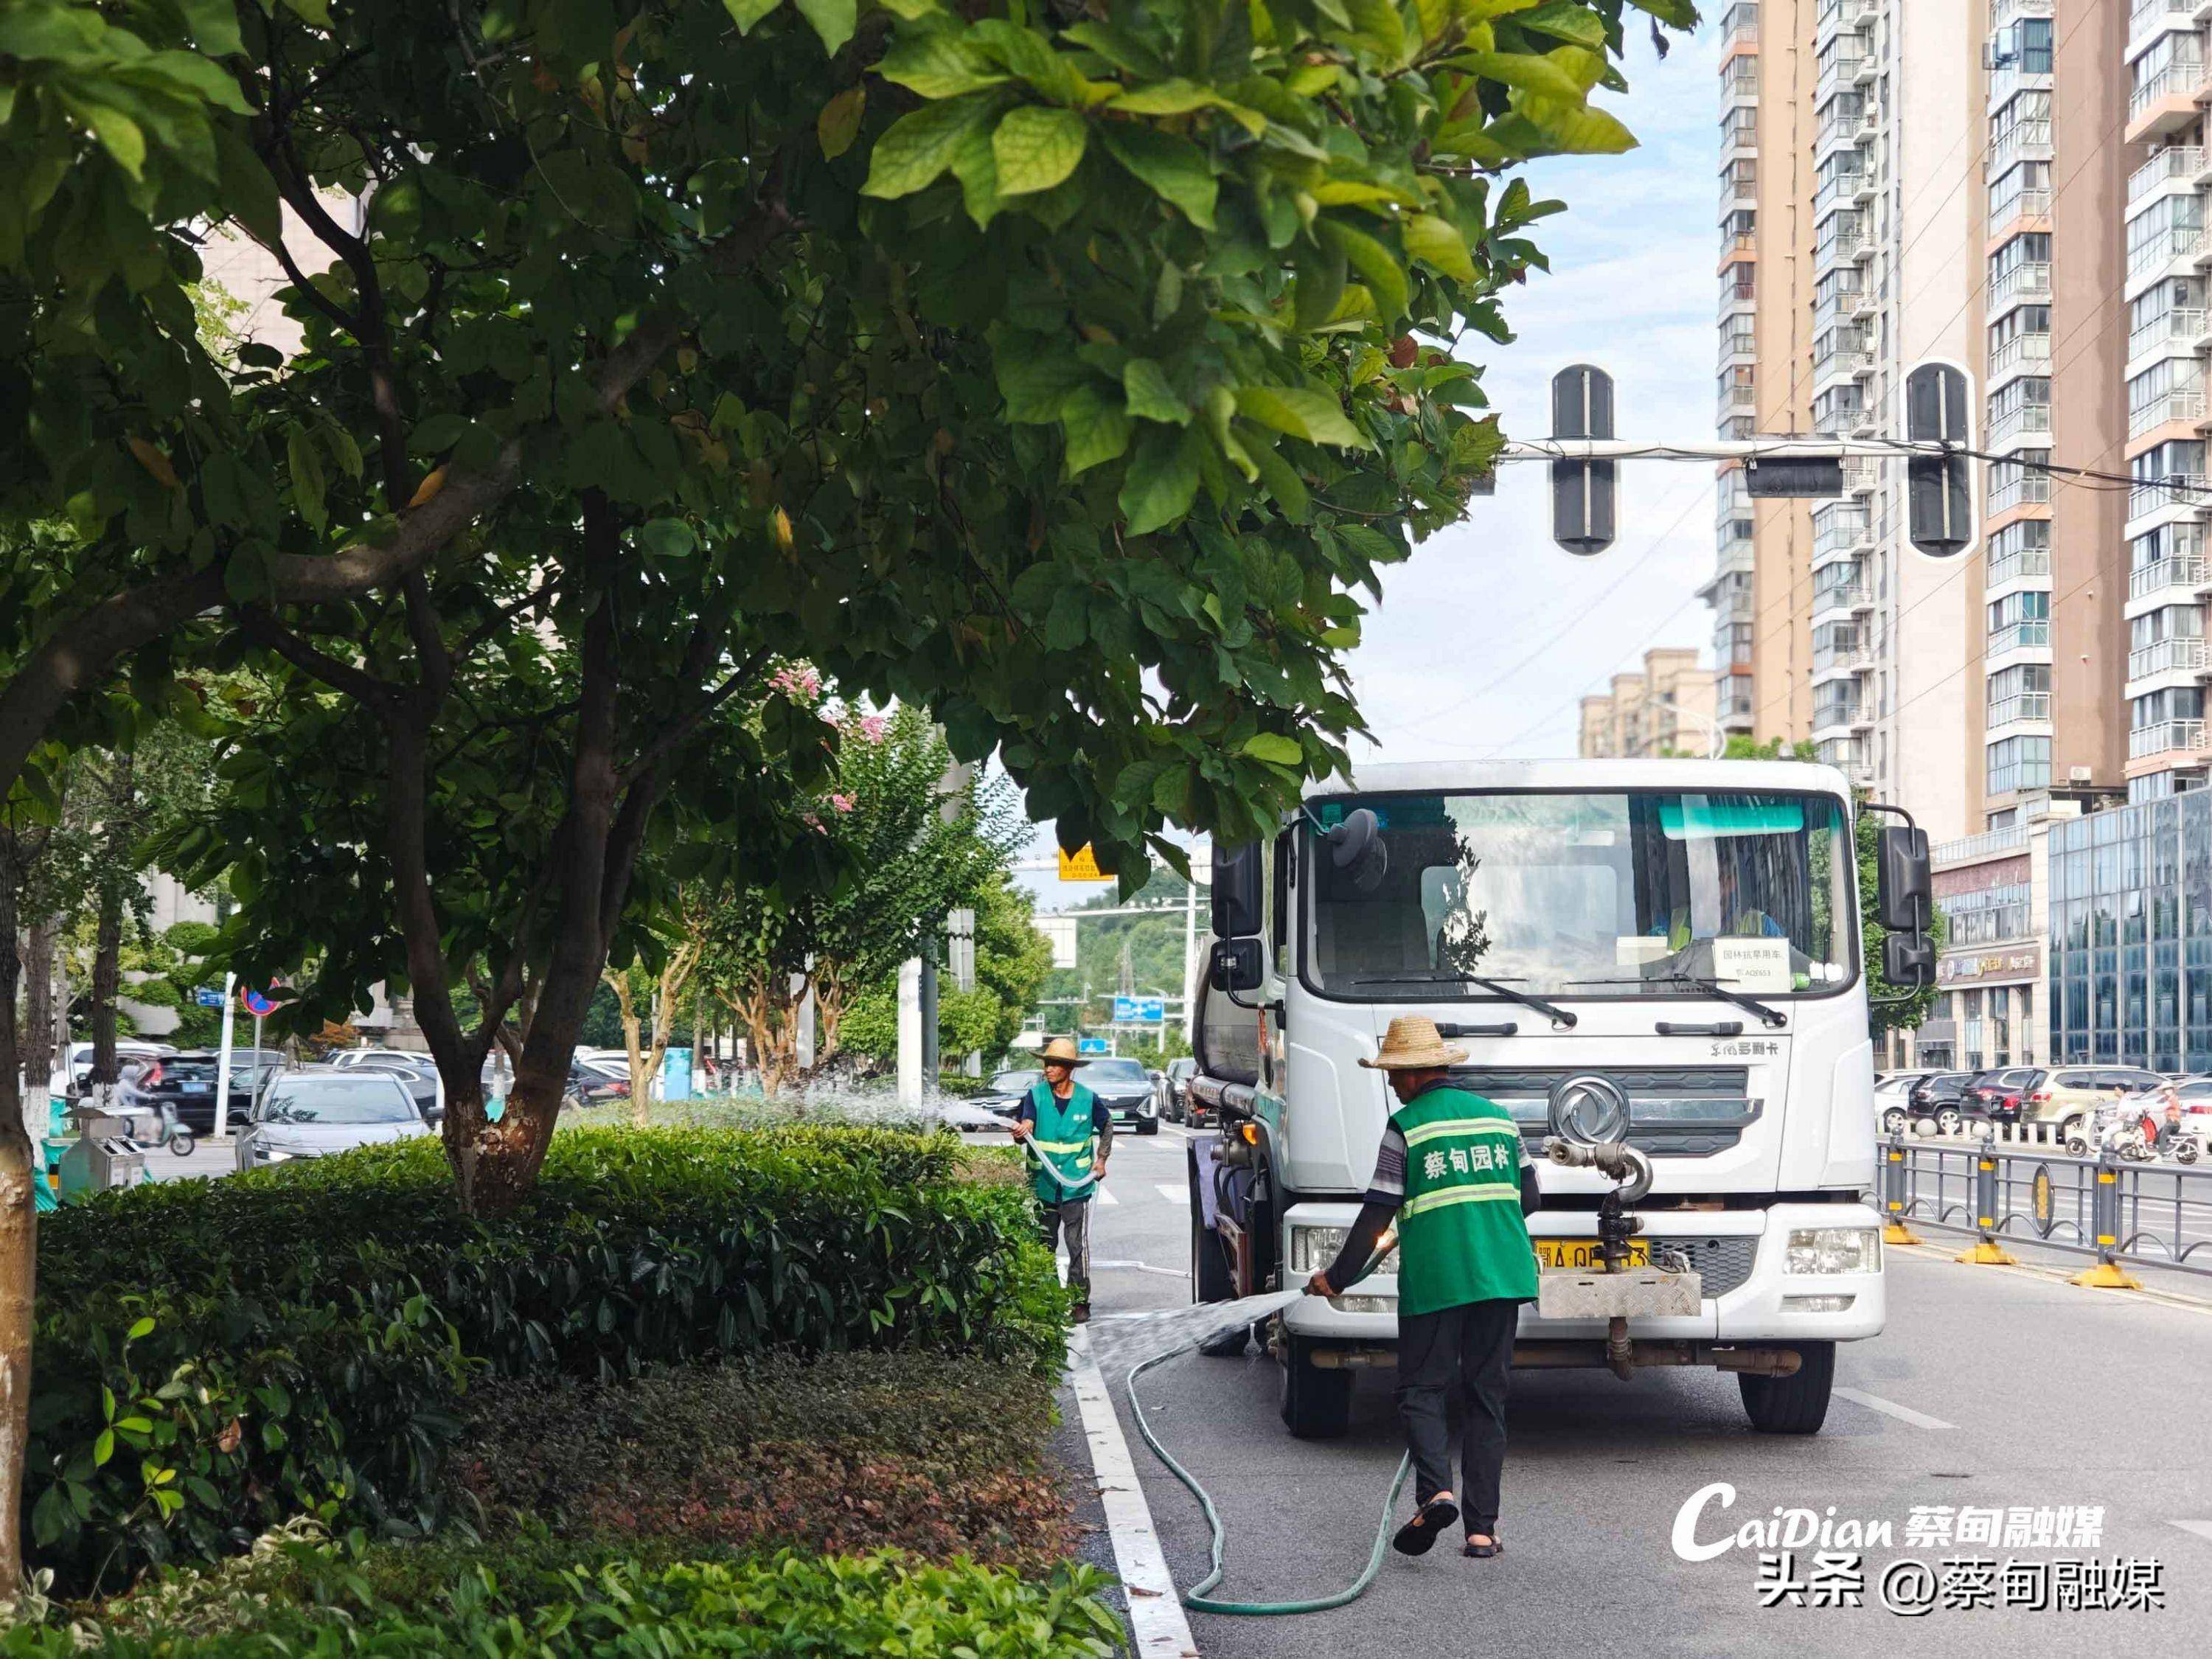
<point>1935,1099</point>
<point>1994,1096</point>
<point>183,1084</point>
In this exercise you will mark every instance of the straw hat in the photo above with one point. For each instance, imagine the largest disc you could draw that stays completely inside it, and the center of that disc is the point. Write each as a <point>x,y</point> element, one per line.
<point>1062,1049</point>
<point>1412,1043</point>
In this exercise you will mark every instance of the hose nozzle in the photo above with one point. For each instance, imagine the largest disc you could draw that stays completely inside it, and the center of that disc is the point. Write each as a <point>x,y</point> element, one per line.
<point>1616,1160</point>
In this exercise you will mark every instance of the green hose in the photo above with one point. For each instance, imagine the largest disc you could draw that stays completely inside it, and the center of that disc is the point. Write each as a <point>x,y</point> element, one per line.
<point>1196,1597</point>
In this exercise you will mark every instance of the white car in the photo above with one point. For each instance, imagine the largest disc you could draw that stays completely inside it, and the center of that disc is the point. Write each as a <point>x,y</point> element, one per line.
<point>1892,1101</point>
<point>76,1067</point>
<point>314,1114</point>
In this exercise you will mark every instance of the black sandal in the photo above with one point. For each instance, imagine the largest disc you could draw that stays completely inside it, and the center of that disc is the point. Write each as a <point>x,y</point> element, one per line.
<point>1485,1552</point>
<point>1419,1535</point>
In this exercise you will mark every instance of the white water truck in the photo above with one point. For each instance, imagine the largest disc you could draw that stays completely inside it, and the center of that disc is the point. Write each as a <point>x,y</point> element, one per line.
<point>1655,966</point>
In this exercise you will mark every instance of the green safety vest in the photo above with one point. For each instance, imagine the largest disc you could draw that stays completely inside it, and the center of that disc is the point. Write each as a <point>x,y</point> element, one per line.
<point>1461,1237</point>
<point>1063,1138</point>
<point>1748,924</point>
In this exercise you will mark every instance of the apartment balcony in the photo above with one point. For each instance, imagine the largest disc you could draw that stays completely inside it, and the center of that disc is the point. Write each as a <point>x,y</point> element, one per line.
<point>1740,81</point>
<point>2023,354</point>
<point>1738,245</point>
<point>1742,34</point>
<point>2168,737</point>
<point>1840,14</point>
<point>2022,423</point>
<point>2024,488</point>
<point>2149,17</point>
<point>2020,204</point>
<point>1841,360</point>
<point>2028,564</point>
<point>1850,658</point>
<point>1739,399</point>
<point>2027,706</point>
<point>1843,242</point>
<point>1973,849</point>
<point>2183,403</point>
<point>1739,345</point>
<point>1842,600</point>
<point>1862,476</point>
<point>2177,164</point>
<point>2030,280</point>
<point>1838,126</point>
<point>2183,492</point>
<point>2023,140</point>
<point>2018,636</point>
<point>1733,505</point>
<point>2008,81</point>
<point>1839,419</point>
<point>2177,334</point>
<point>1838,190</point>
<point>2183,656</point>
<point>1838,74</point>
<point>1739,142</point>
<point>1840,304</point>
<point>2152,257</point>
<point>2174,581</point>
<point>1839,532</point>
<point>2165,103</point>
<point>1836,718</point>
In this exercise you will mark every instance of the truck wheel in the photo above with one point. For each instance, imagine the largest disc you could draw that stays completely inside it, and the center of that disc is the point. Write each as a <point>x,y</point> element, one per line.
<point>1792,1405</point>
<point>1209,1280</point>
<point>1316,1403</point>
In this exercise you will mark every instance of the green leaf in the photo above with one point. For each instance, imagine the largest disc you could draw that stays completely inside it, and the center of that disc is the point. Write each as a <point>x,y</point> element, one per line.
<point>1097,429</point>
<point>1275,748</point>
<point>1379,20</point>
<point>1575,129</point>
<point>938,63</point>
<point>1320,267</point>
<point>917,148</point>
<point>308,484</point>
<point>1527,70</point>
<point>141,1328</point>
<point>1378,267</point>
<point>1173,96</point>
<point>1118,47</point>
<point>1036,148</point>
<point>1161,480</point>
<point>438,434</point>
<point>1151,396</point>
<point>1281,481</point>
<point>118,135</point>
<point>214,24</point>
<point>1175,167</point>
<point>1565,19</point>
<point>1066,626</point>
<point>839,123</point>
<point>668,538</point>
<point>103,1448</point>
<point>1300,412</point>
<point>746,13</point>
<point>1438,241</point>
<point>974,166</point>
<point>1029,56</point>
<point>832,19</point>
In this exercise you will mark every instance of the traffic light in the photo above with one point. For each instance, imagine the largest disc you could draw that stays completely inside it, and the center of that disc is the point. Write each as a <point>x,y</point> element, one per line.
<point>1939,496</point>
<point>1582,491</point>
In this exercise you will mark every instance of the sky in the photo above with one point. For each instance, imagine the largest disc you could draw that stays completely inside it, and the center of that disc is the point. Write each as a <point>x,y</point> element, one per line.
<point>1488,637</point>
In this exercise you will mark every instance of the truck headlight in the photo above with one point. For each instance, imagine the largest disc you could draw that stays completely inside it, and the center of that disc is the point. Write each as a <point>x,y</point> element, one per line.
<point>1313,1248</point>
<point>1833,1250</point>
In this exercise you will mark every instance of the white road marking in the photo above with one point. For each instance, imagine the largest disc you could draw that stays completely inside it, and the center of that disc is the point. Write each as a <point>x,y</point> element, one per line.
<point>2202,1528</point>
<point>1155,1615</point>
<point>1145,1267</point>
<point>1173,1192</point>
<point>1874,1402</point>
<point>1105,1197</point>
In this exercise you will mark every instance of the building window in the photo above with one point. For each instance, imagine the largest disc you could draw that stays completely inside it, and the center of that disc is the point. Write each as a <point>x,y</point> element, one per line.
<point>2016,764</point>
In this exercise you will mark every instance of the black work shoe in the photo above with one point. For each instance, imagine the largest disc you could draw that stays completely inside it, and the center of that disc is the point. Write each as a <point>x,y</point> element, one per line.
<point>1419,1535</point>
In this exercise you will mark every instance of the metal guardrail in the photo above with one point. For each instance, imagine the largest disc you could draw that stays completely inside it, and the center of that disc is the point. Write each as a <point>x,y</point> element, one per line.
<point>2030,1189</point>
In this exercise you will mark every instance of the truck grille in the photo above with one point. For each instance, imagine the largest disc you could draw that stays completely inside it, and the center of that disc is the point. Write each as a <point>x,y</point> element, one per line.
<point>1725,1263</point>
<point>1673,1111</point>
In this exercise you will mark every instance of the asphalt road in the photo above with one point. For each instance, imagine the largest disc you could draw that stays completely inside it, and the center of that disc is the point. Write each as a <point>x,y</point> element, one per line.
<point>1992,1387</point>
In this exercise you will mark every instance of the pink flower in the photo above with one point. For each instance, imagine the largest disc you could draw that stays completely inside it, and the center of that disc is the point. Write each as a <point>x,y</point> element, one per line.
<point>873,726</point>
<point>843,803</point>
<point>800,682</point>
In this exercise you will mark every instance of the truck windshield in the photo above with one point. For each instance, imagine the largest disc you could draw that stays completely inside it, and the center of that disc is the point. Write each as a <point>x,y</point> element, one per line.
<point>1585,894</point>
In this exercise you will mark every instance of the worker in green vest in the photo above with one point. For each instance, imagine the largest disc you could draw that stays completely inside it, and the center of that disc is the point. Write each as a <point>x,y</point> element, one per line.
<point>1452,1172</point>
<point>1070,1133</point>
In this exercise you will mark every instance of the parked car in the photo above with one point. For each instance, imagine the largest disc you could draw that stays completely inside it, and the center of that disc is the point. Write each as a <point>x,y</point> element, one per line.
<point>1935,1099</point>
<point>1005,1091</point>
<point>2069,1096</point>
<point>1995,1096</point>
<point>1891,1095</point>
<point>1180,1106</point>
<point>1124,1088</point>
<point>314,1112</point>
<point>346,1059</point>
<point>182,1085</point>
<point>418,1074</point>
<point>597,1082</point>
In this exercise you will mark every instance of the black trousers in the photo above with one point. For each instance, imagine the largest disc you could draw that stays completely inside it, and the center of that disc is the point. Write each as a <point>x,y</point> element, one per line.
<point>1466,1351</point>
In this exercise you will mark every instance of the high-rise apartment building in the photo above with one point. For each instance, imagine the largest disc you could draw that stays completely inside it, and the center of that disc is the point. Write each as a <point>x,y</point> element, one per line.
<point>1667,709</point>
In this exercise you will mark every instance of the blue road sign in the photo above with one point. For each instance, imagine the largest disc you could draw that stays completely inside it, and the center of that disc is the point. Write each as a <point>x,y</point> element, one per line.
<point>1090,1046</point>
<point>255,1003</point>
<point>1125,1011</point>
<point>207,997</point>
<point>1151,1011</point>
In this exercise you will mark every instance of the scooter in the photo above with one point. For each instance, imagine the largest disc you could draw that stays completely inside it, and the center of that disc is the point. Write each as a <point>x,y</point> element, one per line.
<point>2173,1140</point>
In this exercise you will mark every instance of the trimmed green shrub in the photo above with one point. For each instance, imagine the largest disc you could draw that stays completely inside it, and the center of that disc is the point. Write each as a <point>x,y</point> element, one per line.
<point>217,1356</point>
<point>537,1604</point>
<point>841,1453</point>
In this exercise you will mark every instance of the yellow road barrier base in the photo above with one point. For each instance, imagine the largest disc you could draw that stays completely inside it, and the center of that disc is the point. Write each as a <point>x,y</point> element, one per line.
<point>1988,1253</point>
<point>1897,1233</point>
<point>2107,1276</point>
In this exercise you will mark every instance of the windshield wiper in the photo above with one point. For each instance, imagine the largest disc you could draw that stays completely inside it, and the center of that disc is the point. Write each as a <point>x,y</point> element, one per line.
<point>1712,987</point>
<point>1497,988</point>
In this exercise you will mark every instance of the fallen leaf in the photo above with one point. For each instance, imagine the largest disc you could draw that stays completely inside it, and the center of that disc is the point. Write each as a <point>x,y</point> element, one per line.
<point>429,487</point>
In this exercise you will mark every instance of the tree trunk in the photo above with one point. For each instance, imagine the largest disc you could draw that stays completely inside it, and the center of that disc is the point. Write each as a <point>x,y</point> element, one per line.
<point>19,1257</point>
<point>35,1040</point>
<point>640,1076</point>
<point>106,979</point>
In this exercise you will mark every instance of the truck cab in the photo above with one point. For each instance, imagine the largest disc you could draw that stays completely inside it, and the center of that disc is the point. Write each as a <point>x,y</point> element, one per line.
<point>1674,945</point>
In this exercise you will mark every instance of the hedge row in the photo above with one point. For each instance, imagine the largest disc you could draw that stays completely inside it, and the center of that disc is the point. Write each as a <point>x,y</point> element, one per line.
<point>529,1604</point>
<point>216,1356</point>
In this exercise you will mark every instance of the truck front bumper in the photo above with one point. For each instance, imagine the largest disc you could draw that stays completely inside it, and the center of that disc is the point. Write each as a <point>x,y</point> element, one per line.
<point>1769,1305</point>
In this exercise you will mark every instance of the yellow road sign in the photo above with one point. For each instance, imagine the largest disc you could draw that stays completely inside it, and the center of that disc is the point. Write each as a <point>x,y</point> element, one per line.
<point>1081,864</point>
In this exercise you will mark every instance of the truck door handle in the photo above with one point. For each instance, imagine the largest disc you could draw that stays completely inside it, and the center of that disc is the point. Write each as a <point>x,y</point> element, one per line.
<point>1505,1027</point>
<point>1718,1028</point>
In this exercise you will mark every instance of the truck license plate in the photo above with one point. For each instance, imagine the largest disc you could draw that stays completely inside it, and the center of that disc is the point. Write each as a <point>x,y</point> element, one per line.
<point>1583,1253</point>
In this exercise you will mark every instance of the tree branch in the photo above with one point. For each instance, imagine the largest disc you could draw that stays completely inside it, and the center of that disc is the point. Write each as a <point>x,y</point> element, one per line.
<point>358,683</point>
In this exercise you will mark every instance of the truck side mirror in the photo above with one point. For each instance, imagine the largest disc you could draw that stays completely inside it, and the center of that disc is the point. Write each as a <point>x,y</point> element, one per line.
<point>1237,893</point>
<point>1235,964</point>
<point>1902,885</point>
<point>1908,961</point>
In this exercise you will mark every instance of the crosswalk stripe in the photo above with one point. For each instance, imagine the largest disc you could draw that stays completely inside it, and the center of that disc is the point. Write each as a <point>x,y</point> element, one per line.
<point>1173,1193</point>
<point>1105,1197</point>
<point>2201,1529</point>
<point>1891,1408</point>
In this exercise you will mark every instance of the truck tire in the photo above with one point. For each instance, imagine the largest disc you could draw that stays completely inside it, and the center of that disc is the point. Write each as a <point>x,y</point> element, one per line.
<point>1210,1280</point>
<point>1792,1405</point>
<point>1316,1403</point>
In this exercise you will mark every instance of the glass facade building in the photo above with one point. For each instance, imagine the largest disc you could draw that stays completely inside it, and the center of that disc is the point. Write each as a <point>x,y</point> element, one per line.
<point>2130,955</point>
